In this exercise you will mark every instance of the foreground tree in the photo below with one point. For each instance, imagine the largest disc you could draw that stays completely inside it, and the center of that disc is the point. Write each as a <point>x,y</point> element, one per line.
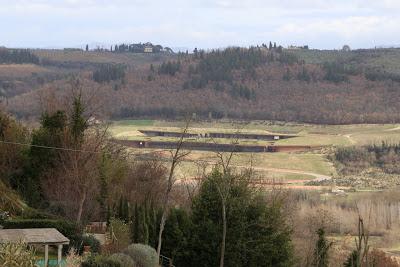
<point>321,256</point>
<point>11,154</point>
<point>256,231</point>
<point>359,257</point>
<point>176,158</point>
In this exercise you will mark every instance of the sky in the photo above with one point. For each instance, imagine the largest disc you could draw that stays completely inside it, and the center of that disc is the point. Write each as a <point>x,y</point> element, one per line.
<point>321,24</point>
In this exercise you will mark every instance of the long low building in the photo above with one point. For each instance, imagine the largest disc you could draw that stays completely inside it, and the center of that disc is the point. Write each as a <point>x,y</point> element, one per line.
<point>212,146</point>
<point>268,137</point>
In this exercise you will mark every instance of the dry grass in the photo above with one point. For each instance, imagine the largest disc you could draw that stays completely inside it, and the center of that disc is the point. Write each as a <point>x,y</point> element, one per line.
<point>135,59</point>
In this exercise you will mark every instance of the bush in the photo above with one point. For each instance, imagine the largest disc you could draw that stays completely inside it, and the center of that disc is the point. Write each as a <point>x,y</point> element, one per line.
<point>100,261</point>
<point>120,234</point>
<point>143,255</point>
<point>73,259</point>
<point>90,240</point>
<point>123,259</point>
<point>4,215</point>
<point>16,254</point>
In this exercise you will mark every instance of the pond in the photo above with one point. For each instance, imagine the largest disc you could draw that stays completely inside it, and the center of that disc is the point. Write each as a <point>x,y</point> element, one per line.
<point>51,263</point>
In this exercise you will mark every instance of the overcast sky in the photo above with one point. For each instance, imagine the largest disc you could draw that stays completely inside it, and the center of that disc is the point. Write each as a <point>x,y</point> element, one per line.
<point>202,23</point>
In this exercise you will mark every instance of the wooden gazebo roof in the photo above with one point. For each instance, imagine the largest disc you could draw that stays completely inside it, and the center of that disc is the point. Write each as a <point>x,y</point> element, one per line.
<point>44,236</point>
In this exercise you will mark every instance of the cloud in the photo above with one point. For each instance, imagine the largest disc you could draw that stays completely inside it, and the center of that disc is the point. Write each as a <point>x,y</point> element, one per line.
<point>206,23</point>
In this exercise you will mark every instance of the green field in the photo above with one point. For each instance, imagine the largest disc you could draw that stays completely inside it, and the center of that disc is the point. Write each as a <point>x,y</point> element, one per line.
<point>281,166</point>
<point>308,134</point>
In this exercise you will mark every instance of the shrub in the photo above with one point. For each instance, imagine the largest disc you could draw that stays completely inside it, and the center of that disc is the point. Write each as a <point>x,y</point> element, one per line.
<point>143,255</point>
<point>17,254</point>
<point>100,261</point>
<point>123,259</point>
<point>73,259</point>
<point>120,234</point>
<point>379,258</point>
<point>4,215</point>
<point>90,240</point>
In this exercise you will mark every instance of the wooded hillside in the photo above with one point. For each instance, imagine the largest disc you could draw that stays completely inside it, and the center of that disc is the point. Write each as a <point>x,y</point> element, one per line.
<point>331,87</point>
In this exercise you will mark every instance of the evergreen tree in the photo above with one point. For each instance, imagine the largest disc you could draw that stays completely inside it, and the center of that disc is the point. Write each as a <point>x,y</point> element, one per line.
<point>40,159</point>
<point>257,234</point>
<point>78,123</point>
<point>177,237</point>
<point>135,224</point>
<point>87,47</point>
<point>143,229</point>
<point>321,252</point>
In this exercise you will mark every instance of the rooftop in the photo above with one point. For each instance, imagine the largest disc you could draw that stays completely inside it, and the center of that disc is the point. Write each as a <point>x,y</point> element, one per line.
<point>50,236</point>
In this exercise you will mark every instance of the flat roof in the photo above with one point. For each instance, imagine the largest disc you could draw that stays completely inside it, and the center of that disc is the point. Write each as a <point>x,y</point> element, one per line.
<point>50,236</point>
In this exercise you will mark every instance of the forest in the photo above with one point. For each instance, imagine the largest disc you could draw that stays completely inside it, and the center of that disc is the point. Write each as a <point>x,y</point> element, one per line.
<point>239,83</point>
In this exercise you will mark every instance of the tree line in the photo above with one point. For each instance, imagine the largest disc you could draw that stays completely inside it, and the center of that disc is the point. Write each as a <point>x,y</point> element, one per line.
<point>17,56</point>
<point>385,156</point>
<point>109,72</point>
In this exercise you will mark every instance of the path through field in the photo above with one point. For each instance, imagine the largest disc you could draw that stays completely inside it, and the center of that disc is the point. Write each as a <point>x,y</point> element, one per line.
<point>318,177</point>
<point>299,184</point>
<point>393,129</point>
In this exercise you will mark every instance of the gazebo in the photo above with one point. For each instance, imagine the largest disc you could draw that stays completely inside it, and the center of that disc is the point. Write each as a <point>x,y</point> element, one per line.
<point>36,236</point>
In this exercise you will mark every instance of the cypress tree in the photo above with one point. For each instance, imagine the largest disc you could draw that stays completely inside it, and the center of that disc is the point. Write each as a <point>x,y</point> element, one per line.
<point>143,230</point>
<point>125,210</point>
<point>120,213</point>
<point>321,256</point>
<point>135,225</point>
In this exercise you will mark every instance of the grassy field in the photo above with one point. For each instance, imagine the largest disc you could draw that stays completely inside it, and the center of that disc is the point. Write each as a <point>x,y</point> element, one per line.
<point>308,134</point>
<point>135,59</point>
<point>288,167</point>
<point>285,166</point>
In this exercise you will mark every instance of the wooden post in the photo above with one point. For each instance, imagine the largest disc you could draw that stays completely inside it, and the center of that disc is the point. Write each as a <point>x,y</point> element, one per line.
<point>46,255</point>
<point>59,255</point>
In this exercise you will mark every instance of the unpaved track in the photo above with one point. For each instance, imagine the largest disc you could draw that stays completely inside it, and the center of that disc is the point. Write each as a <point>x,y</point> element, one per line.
<point>318,177</point>
<point>393,129</point>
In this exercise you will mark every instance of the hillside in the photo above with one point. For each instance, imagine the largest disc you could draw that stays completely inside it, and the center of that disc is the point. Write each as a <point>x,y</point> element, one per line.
<point>332,87</point>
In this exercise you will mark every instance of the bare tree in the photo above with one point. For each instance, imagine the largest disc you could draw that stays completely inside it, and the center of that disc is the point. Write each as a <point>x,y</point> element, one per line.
<point>75,178</point>
<point>362,246</point>
<point>177,156</point>
<point>75,181</point>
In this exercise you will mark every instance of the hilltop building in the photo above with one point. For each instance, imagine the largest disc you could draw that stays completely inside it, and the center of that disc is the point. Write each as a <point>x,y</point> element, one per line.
<point>295,47</point>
